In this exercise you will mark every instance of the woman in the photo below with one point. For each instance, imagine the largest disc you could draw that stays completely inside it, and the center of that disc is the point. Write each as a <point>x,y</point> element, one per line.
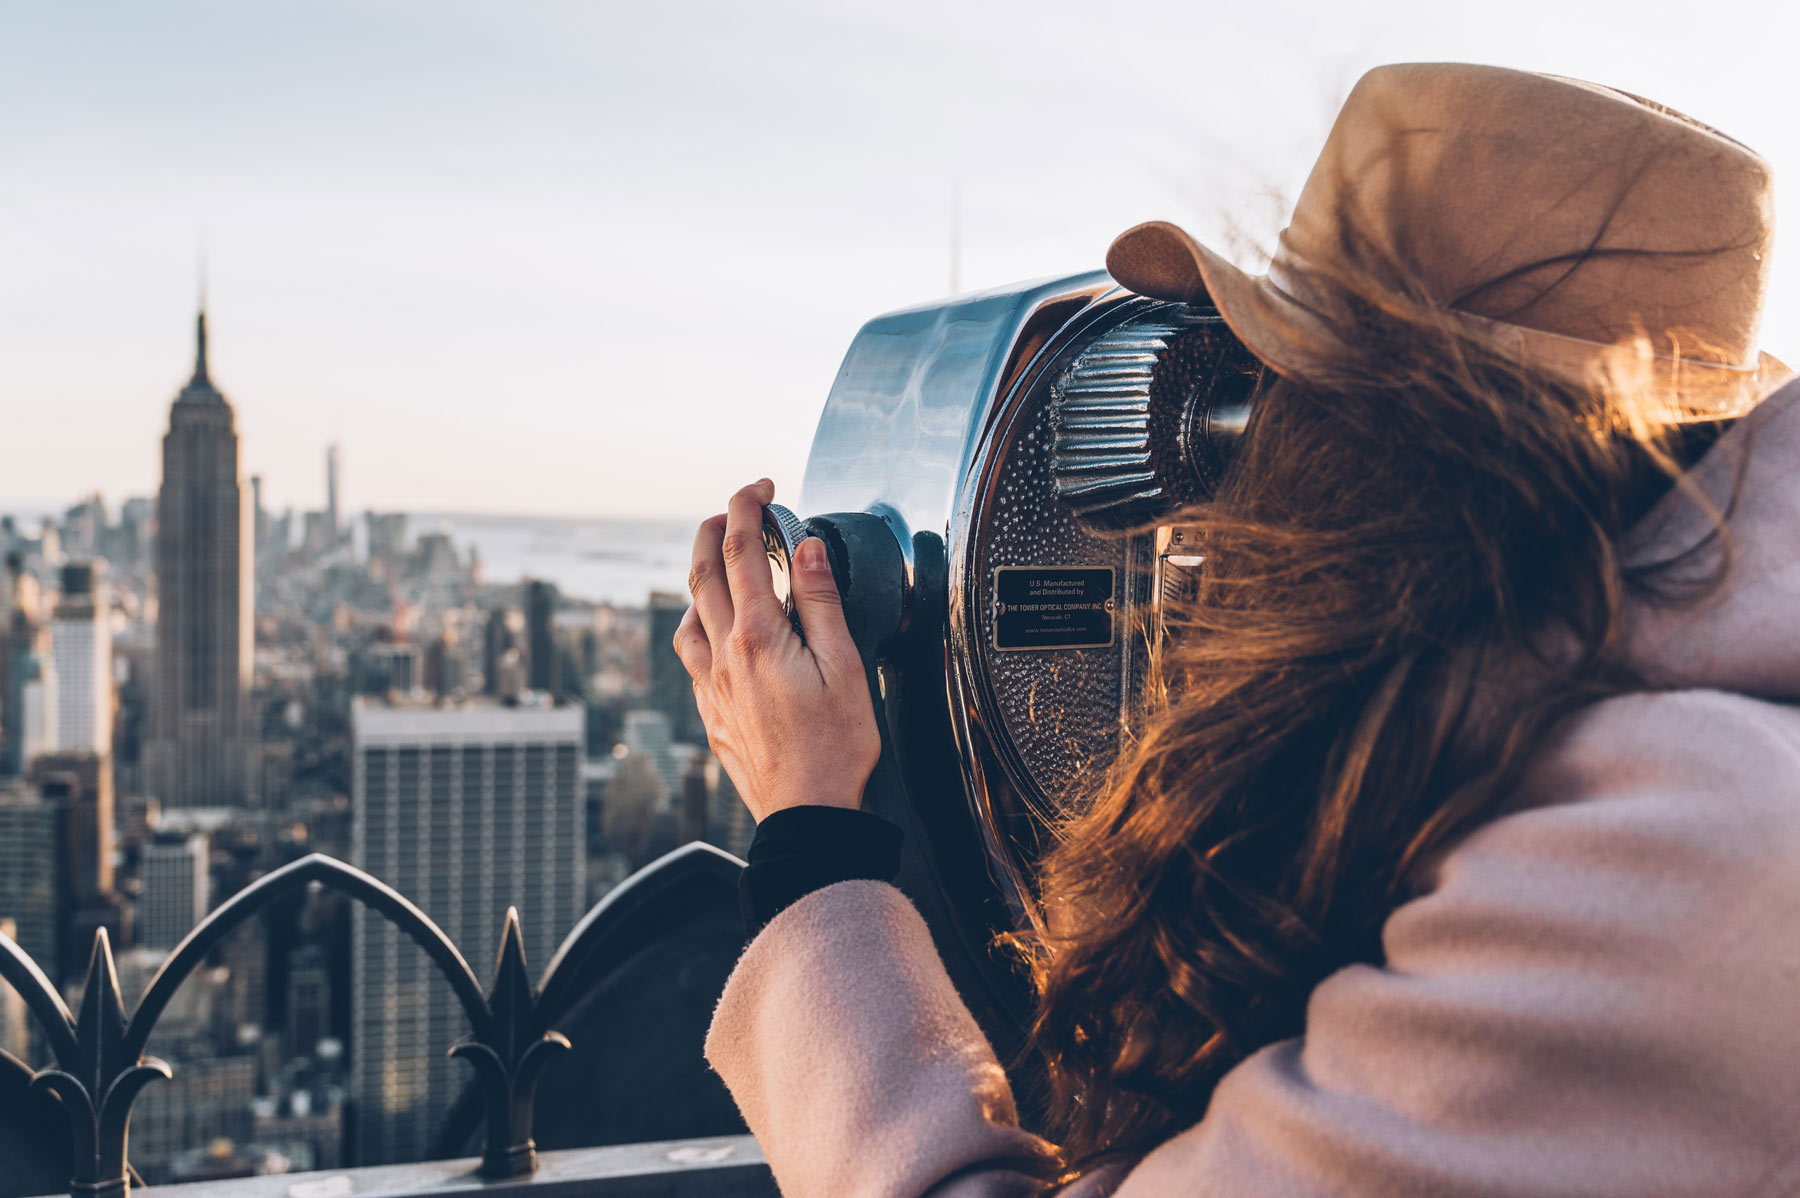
<point>1464,854</point>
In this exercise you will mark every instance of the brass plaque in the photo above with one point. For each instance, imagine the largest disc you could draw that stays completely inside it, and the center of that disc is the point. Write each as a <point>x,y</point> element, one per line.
<point>1053,607</point>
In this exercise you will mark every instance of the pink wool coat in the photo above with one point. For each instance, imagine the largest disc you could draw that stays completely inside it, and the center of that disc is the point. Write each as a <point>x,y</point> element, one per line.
<point>1599,994</point>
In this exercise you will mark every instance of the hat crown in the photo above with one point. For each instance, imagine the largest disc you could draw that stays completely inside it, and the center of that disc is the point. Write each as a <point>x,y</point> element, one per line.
<point>1541,202</point>
<point>1549,218</point>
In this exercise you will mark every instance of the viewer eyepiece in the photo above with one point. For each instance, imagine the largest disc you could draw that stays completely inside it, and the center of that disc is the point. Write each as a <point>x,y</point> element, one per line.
<point>1004,474</point>
<point>1146,415</point>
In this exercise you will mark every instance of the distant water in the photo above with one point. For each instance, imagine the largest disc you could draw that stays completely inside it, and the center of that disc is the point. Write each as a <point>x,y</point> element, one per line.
<point>603,559</point>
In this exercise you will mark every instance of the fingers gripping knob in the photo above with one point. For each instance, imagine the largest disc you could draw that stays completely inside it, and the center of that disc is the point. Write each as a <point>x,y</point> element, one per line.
<point>870,565</point>
<point>782,533</point>
<point>782,528</point>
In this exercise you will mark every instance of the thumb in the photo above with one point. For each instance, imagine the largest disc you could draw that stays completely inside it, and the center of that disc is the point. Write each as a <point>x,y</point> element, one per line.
<point>817,601</point>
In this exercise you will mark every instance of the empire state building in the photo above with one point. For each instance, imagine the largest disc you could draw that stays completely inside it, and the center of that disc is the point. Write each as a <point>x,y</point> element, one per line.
<point>200,751</point>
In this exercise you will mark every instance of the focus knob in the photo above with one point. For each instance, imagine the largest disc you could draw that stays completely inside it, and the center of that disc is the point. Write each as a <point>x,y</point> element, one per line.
<point>891,582</point>
<point>1145,416</point>
<point>782,533</point>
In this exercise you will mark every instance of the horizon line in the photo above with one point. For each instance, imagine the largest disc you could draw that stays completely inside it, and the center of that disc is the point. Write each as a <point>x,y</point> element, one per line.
<point>40,507</point>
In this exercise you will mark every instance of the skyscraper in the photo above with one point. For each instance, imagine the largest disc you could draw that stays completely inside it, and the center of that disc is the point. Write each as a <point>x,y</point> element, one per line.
<point>33,885</point>
<point>466,810</point>
<point>80,783</point>
<point>387,536</point>
<point>540,636</point>
<point>34,684</point>
<point>177,889</point>
<point>280,537</point>
<point>200,755</point>
<point>647,733</point>
<point>308,1001</point>
<point>20,641</point>
<point>671,690</point>
<point>332,516</point>
<point>137,528</point>
<point>81,654</point>
<point>496,639</point>
<point>259,521</point>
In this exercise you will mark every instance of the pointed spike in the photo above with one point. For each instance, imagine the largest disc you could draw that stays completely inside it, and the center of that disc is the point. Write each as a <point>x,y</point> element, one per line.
<point>511,1001</point>
<point>100,992</point>
<point>101,1024</point>
<point>512,946</point>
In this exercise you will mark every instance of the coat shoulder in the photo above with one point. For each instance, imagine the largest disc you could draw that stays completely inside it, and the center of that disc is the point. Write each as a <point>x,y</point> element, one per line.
<point>1592,994</point>
<point>1711,769</point>
<point>1648,823</point>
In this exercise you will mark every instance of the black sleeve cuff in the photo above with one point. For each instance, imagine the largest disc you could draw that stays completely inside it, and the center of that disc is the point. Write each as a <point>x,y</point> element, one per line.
<point>803,849</point>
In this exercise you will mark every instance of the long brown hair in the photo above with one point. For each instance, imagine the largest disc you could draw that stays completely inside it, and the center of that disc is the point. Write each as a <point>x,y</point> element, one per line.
<point>1413,572</point>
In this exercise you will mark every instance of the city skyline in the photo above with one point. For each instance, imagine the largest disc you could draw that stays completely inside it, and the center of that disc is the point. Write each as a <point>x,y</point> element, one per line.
<point>193,697</point>
<point>435,233</point>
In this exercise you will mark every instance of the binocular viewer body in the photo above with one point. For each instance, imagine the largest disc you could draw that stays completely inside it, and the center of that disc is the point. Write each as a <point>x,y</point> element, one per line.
<point>998,475</point>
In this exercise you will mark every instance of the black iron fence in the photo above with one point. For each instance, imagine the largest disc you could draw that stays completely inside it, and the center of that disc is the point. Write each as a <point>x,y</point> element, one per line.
<point>101,1066</point>
<point>729,1167</point>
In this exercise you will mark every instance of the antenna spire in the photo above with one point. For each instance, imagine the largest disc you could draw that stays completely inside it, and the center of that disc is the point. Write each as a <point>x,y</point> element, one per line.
<point>200,347</point>
<point>200,324</point>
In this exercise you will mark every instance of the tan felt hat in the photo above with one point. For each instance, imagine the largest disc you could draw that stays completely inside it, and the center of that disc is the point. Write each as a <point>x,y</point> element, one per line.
<point>1552,219</point>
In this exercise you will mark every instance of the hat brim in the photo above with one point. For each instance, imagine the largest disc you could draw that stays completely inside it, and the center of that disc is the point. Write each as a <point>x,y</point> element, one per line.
<point>1163,261</point>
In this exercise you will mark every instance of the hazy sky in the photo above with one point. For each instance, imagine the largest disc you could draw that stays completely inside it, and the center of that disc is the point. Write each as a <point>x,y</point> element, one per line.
<point>605,258</point>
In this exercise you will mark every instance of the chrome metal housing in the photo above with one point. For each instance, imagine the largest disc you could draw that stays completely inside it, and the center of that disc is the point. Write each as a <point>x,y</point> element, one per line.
<point>980,420</point>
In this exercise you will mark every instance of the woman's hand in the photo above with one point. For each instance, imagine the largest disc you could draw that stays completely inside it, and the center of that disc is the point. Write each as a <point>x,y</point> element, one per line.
<point>790,720</point>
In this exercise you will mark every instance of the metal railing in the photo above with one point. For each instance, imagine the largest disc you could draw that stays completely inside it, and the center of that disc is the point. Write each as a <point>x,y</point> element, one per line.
<point>101,1067</point>
<point>728,1167</point>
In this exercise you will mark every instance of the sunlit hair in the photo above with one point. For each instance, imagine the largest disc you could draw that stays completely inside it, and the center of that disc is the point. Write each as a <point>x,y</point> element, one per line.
<point>1413,571</point>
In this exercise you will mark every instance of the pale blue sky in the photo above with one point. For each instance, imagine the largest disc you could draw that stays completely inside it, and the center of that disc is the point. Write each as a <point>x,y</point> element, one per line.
<point>600,258</point>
